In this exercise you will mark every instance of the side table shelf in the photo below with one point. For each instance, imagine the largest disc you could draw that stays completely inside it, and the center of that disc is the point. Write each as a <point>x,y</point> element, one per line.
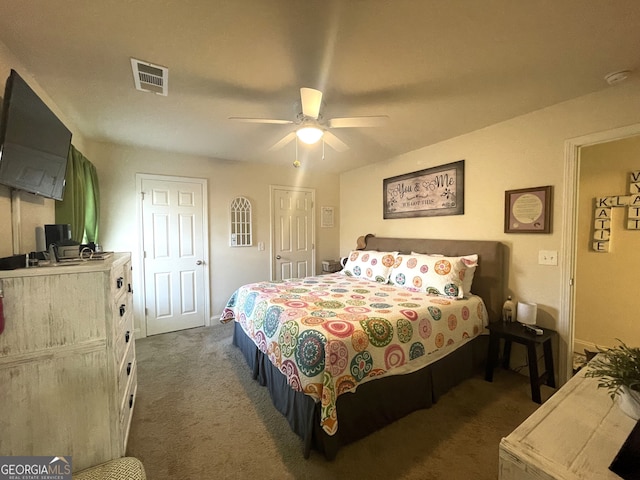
<point>516,332</point>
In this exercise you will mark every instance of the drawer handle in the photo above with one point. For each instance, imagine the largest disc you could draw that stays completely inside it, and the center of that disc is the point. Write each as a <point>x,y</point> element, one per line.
<point>126,336</point>
<point>128,369</point>
<point>119,282</point>
<point>131,400</point>
<point>129,288</point>
<point>122,310</point>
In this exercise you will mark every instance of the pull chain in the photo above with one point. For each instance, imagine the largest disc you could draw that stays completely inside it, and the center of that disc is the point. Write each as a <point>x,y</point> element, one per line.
<point>296,162</point>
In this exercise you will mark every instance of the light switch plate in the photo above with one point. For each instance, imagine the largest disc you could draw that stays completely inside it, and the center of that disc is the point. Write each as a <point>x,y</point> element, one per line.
<point>548,257</point>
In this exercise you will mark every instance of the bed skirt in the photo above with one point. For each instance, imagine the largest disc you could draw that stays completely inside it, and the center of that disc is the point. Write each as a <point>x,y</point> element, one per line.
<point>373,405</point>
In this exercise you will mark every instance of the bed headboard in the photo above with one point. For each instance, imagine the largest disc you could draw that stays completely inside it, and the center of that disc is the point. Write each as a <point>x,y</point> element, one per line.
<point>488,281</point>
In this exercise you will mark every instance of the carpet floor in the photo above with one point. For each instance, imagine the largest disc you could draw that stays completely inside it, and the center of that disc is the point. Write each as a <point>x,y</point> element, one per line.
<point>199,415</point>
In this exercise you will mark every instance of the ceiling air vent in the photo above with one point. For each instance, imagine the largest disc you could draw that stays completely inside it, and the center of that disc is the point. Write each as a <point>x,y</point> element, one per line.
<point>149,77</point>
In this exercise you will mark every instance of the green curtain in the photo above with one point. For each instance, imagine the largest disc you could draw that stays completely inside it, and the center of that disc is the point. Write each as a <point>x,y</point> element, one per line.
<point>80,206</point>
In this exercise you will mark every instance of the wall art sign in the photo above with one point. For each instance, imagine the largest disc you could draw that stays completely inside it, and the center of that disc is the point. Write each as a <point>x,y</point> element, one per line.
<point>326,217</point>
<point>603,210</point>
<point>430,192</point>
<point>528,210</point>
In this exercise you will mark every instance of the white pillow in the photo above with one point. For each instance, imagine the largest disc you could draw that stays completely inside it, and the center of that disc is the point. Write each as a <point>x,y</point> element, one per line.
<point>370,265</point>
<point>471,261</point>
<point>437,275</point>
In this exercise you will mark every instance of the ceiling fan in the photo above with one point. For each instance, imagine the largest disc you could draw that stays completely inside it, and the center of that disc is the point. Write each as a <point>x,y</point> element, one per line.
<point>311,126</point>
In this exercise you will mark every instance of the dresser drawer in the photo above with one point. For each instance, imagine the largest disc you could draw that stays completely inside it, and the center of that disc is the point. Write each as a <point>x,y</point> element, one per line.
<point>121,279</point>
<point>127,367</point>
<point>123,337</point>
<point>126,408</point>
<point>122,311</point>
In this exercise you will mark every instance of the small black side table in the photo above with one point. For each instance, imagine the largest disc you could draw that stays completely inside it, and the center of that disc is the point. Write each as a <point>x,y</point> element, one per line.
<point>516,332</point>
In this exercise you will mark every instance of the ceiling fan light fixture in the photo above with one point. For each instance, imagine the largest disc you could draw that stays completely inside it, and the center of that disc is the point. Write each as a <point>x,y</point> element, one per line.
<point>309,135</point>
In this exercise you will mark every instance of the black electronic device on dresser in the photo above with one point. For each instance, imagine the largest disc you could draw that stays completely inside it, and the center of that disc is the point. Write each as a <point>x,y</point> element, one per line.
<point>58,234</point>
<point>12,262</point>
<point>58,241</point>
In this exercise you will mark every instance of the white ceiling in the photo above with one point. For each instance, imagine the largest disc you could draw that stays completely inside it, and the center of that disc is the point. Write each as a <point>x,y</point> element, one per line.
<point>437,68</point>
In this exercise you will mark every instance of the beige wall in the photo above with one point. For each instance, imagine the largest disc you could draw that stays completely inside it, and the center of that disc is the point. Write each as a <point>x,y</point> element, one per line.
<point>33,210</point>
<point>607,303</point>
<point>229,267</point>
<point>527,151</point>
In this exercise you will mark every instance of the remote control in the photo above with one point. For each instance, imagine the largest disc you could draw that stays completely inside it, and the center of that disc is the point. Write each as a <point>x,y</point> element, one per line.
<point>536,330</point>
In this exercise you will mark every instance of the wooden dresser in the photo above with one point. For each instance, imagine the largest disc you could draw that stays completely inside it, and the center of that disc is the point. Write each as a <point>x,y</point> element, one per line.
<point>67,361</point>
<point>575,434</point>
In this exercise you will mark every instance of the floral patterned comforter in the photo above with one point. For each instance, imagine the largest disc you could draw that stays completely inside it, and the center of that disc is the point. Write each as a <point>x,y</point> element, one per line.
<point>328,334</point>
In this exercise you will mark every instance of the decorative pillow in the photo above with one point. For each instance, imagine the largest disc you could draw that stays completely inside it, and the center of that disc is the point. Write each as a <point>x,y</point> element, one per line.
<point>437,275</point>
<point>370,265</point>
<point>471,261</point>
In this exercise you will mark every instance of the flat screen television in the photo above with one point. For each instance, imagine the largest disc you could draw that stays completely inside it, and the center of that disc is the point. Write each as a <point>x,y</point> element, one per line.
<point>34,143</point>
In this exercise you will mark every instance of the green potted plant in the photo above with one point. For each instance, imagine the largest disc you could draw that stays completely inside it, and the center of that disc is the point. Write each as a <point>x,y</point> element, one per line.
<point>618,370</point>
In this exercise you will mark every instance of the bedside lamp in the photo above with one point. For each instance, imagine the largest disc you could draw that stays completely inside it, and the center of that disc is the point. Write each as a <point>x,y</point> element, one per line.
<point>527,313</point>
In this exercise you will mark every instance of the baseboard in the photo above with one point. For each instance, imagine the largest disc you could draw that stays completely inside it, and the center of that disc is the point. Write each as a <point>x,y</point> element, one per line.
<point>579,346</point>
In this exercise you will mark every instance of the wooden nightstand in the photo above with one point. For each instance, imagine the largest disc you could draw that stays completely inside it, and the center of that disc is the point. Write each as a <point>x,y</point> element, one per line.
<point>516,332</point>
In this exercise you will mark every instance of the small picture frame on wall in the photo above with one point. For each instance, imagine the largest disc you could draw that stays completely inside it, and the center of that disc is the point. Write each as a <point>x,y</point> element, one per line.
<point>528,210</point>
<point>327,217</point>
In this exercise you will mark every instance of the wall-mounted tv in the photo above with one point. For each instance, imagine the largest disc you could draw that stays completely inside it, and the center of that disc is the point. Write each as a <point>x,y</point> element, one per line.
<point>34,143</point>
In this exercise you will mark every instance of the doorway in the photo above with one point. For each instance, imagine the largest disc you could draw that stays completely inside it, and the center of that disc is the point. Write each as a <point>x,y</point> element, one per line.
<point>605,310</point>
<point>293,232</point>
<point>566,321</point>
<point>174,238</point>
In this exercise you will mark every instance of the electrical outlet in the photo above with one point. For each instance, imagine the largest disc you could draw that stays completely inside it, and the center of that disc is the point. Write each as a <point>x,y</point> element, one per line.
<point>548,257</point>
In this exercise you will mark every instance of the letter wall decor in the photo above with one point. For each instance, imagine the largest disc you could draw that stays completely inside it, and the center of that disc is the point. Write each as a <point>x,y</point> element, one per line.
<point>604,206</point>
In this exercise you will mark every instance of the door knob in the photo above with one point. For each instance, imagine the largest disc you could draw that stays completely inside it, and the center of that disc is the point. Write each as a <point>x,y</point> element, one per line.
<point>199,262</point>
<point>278,257</point>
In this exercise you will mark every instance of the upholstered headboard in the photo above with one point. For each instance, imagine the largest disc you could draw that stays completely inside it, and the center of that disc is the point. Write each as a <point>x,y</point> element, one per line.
<point>488,281</point>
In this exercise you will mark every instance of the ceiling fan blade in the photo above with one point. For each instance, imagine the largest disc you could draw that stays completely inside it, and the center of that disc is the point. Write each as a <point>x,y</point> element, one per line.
<point>283,141</point>
<point>334,142</point>
<point>311,100</point>
<point>261,120</point>
<point>347,122</point>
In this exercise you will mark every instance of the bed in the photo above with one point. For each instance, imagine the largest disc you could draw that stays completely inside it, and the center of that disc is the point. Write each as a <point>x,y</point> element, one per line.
<point>347,353</point>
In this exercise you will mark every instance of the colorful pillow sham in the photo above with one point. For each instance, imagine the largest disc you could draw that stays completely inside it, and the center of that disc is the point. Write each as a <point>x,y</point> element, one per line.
<point>370,265</point>
<point>437,275</point>
<point>471,261</point>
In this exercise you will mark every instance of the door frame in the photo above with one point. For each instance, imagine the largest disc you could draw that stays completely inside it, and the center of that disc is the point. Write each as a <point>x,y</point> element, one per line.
<point>566,320</point>
<point>272,227</point>
<point>138,261</point>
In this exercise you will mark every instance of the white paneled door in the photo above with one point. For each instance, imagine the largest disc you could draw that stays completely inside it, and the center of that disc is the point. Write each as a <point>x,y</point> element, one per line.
<point>293,231</point>
<point>173,216</point>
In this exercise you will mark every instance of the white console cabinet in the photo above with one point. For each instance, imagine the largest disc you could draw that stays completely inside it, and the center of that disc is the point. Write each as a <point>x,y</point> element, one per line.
<point>576,434</point>
<point>67,361</point>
